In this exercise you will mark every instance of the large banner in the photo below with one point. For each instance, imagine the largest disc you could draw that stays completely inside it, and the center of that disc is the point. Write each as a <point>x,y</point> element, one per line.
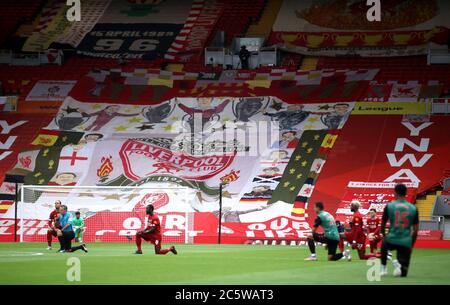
<point>385,149</point>
<point>53,26</point>
<point>137,40</point>
<point>192,39</point>
<point>391,108</point>
<point>370,195</point>
<point>50,90</point>
<point>9,103</point>
<point>179,115</point>
<point>265,152</point>
<point>136,29</point>
<point>327,28</point>
<point>150,86</point>
<point>16,133</point>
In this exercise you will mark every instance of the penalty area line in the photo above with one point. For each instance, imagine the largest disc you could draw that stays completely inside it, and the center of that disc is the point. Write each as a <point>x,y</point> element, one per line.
<point>18,254</point>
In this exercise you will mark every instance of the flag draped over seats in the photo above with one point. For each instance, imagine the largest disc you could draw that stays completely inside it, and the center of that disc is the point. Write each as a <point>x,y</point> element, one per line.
<point>152,85</point>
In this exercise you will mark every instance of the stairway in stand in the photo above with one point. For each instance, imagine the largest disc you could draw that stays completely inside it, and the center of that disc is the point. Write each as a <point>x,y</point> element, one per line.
<point>425,203</point>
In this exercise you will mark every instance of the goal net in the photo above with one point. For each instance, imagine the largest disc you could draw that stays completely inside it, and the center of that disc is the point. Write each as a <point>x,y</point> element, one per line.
<point>110,213</point>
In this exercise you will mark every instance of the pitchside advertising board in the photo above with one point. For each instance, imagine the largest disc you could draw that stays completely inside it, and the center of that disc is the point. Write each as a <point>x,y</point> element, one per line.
<point>176,226</point>
<point>118,40</point>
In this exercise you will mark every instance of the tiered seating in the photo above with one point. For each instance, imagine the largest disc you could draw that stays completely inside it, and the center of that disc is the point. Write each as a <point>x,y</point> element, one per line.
<point>20,79</point>
<point>237,16</point>
<point>13,13</point>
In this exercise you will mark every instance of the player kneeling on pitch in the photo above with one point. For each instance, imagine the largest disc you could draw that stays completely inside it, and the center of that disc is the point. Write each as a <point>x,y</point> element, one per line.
<point>404,225</point>
<point>66,233</point>
<point>330,237</point>
<point>78,226</point>
<point>152,234</point>
<point>53,224</point>
<point>356,236</point>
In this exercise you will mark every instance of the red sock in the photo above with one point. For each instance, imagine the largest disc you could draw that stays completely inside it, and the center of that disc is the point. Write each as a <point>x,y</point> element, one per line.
<point>164,251</point>
<point>138,242</point>
<point>372,248</point>
<point>49,238</point>
<point>341,245</point>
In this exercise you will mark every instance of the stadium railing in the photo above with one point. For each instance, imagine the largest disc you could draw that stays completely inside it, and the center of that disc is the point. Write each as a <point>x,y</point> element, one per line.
<point>440,106</point>
<point>431,223</point>
<point>438,56</point>
<point>28,59</point>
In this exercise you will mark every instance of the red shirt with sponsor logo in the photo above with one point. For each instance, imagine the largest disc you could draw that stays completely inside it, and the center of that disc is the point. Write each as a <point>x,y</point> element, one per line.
<point>52,218</point>
<point>356,225</point>
<point>153,221</point>
<point>373,225</point>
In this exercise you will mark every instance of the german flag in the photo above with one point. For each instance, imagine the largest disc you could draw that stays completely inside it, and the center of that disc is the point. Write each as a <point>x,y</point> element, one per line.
<point>46,138</point>
<point>298,209</point>
<point>5,205</point>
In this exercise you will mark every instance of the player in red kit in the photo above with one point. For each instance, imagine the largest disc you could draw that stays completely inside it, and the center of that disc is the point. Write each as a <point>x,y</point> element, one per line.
<point>152,233</point>
<point>373,230</point>
<point>356,236</point>
<point>52,224</point>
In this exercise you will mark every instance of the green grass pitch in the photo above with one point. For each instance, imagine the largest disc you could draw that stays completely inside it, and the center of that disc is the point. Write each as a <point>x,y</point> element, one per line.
<point>31,263</point>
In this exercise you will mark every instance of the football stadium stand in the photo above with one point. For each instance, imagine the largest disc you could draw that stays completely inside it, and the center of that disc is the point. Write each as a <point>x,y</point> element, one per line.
<point>102,114</point>
<point>425,205</point>
<point>14,13</point>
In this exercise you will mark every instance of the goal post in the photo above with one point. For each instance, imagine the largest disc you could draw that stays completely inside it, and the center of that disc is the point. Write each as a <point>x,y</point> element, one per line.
<point>110,213</point>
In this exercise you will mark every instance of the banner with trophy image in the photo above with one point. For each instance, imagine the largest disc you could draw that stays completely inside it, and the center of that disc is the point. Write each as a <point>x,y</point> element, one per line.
<point>327,28</point>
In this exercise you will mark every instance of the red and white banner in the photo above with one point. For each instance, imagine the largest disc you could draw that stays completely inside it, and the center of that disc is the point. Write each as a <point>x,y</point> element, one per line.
<point>341,27</point>
<point>16,133</point>
<point>199,25</point>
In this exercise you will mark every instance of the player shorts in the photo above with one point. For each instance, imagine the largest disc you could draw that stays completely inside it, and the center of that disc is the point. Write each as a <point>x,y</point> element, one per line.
<point>152,238</point>
<point>331,243</point>
<point>360,241</point>
<point>53,232</point>
<point>403,253</point>
<point>377,239</point>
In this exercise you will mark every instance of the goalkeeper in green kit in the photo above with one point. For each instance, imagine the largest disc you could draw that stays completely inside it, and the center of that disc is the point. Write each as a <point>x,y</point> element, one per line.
<point>404,225</point>
<point>78,227</point>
